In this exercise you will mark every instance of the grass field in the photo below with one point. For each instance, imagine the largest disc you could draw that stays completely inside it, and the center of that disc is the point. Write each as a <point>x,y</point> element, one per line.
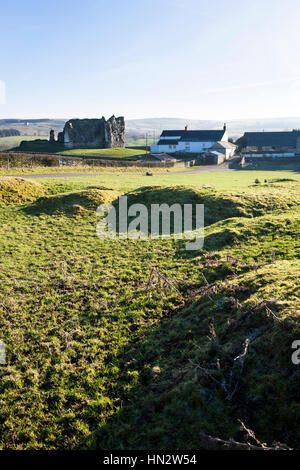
<point>105,352</point>
<point>42,170</point>
<point>46,147</point>
<point>117,152</point>
<point>223,181</point>
<point>14,141</point>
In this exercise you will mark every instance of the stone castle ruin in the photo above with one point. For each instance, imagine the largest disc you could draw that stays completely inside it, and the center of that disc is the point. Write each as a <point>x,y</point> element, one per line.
<point>94,133</point>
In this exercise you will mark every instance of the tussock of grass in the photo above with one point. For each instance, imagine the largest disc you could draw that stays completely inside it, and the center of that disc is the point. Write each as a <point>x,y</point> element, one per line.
<point>18,190</point>
<point>75,203</point>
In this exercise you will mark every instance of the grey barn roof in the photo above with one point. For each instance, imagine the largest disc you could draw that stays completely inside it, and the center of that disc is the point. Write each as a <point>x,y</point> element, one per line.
<point>158,156</point>
<point>270,139</point>
<point>226,145</point>
<point>196,136</point>
<point>163,156</point>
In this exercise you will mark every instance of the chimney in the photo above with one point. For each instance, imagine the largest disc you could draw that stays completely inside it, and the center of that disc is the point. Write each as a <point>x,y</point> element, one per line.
<point>186,128</point>
<point>224,127</point>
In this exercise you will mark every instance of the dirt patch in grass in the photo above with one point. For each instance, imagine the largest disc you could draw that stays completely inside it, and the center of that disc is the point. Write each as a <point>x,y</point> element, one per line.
<point>19,190</point>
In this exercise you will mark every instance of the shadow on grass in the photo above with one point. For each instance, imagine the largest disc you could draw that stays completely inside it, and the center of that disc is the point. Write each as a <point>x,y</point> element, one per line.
<point>269,167</point>
<point>165,403</point>
<point>161,404</point>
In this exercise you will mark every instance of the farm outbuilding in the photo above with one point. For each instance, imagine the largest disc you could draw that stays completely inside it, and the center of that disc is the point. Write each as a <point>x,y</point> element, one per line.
<point>273,144</point>
<point>226,148</point>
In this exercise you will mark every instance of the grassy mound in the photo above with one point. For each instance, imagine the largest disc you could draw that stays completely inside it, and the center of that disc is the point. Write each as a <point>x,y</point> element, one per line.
<point>19,190</point>
<point>280,232</point>
<point>219,206</point>
<point>74,203</point>
<point>194,377</point>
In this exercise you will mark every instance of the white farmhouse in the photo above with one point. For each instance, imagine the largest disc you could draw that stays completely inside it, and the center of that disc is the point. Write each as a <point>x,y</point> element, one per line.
<point>183,141</point>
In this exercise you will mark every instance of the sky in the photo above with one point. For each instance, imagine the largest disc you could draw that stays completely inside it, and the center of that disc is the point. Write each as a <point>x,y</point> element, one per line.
<point>196,59</point>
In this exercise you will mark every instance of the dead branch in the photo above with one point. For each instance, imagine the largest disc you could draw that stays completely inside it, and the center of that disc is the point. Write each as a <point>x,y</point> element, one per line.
<point>270,312</point>
<point>230,442</point>
<point>243,445</point>
<point>212,331</point>
<point>207,289</point>
<point>241,358</point>
<point>233,326</point>
<point>157,279</point>
<point>233,260</point>
<point>252,435</point>
<point>231,385</point>
<point>209,375</point>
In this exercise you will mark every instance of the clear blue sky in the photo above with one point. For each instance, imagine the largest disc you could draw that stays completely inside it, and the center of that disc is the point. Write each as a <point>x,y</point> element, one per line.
<point>201,59</point>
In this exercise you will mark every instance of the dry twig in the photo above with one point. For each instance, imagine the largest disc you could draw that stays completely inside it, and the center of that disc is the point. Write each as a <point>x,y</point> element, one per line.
<point>245,445</point>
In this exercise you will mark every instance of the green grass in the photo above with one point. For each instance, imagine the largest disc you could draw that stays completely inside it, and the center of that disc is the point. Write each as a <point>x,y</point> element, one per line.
<point>102,356</point>
<point>117,152</point>
<point>18,191</point>
<point>46,147</point>
<point>271,165</point>
<point>219,180</point>
<point>14,141</point>
<point>70,169</point>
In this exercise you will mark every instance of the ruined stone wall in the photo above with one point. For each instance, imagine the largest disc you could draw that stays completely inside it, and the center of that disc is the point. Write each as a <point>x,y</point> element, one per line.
<point>97,133</point>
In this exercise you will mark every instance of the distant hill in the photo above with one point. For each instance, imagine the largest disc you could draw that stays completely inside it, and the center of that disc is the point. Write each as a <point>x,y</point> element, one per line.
<point>137,128</point>
<point>236,128</point>
<point>33,127</point>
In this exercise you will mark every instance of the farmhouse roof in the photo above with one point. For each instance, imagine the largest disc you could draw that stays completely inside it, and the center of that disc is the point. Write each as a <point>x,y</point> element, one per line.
<point>195,136</point>
<point>269,139</point>
<point>177,133</point>
<point>167,142</point>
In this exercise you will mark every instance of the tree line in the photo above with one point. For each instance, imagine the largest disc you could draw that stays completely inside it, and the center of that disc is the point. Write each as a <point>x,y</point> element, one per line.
<point>9,132</point>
